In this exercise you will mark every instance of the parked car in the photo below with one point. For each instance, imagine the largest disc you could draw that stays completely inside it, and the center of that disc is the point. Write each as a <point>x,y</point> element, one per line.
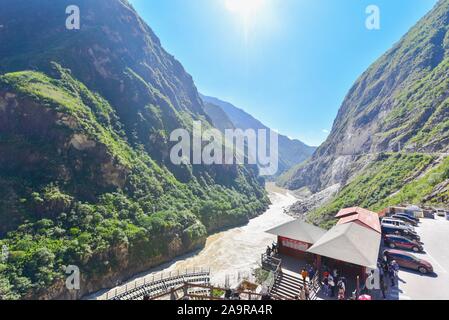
<point>388,222</point>
<point>408,261</point>
<point>441,213</point>
<point>400,242</point>
<point>406,219</point>
<point>412,235</point>
<point>408,216</point>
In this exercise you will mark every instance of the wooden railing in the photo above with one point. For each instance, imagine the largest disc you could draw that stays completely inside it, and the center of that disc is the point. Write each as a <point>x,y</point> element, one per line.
<point>158,284</point>
<point>189,291</point>
<point>271,263</point>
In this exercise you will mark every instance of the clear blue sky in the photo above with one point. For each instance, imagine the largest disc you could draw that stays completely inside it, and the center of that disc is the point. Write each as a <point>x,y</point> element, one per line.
<point>289,63</point>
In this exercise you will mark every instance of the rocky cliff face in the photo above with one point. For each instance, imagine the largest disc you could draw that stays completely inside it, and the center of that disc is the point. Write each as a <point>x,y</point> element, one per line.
<point>85,174</point>
<point>400,104</point>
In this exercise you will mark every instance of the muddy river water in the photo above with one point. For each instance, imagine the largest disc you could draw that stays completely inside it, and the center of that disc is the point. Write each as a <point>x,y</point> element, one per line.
<point>233,253</point>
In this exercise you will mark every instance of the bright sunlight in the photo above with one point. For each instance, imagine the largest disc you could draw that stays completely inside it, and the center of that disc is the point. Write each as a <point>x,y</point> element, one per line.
<point>245,8</point>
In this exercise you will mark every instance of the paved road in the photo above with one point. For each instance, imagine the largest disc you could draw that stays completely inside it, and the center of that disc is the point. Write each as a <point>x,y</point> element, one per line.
<point>435,235</point>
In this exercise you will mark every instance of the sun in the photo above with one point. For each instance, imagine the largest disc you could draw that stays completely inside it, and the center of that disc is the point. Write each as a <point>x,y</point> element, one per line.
<point>245,8</point>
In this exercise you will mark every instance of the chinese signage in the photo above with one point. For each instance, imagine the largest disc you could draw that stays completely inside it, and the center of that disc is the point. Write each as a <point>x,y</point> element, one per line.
<point>294,244</point>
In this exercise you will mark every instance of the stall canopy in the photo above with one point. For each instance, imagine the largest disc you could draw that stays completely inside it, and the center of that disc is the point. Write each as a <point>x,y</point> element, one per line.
<point>363,217</point>
<point>350,243</point>
<point>298,230</point>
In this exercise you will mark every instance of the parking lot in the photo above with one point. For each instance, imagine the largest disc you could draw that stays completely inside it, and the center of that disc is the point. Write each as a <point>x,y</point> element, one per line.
<point>413,286</point>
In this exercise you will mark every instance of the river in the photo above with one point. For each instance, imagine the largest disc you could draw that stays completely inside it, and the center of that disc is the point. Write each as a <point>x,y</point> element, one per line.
<point>236,251</point>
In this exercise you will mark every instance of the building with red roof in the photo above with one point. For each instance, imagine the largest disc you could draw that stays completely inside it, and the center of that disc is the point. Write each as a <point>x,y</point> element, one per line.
<point>360,216</point>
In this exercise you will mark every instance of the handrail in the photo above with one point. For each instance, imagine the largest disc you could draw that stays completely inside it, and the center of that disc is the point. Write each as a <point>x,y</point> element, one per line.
<point>164,280</point>
<point>186,286</point>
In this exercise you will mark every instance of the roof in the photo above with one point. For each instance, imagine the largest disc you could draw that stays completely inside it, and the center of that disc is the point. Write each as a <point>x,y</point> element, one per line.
<point>352,211</point>
<point>383,213</point>
<point>350,243</point>
<point>363,217</point>
<point>299,230</point>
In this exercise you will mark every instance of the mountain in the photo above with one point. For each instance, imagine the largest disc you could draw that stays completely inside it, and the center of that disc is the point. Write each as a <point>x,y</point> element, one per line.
<point>390,140</point>
<point>85,173</point>
<point>219,118</point>
<point>224,115</point>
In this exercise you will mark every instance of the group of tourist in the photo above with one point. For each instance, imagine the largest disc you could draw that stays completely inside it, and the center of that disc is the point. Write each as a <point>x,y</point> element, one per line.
<point>387,271</point>
<point>332,282</point>
<point>272,250</point>
<point>307,274</point>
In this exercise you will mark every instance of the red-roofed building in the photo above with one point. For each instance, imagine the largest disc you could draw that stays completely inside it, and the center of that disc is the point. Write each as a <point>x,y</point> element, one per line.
<point>362,217</point>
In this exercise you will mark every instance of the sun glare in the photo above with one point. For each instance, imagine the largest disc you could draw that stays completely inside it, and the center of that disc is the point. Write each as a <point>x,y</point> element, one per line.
<point>245,8</point>
<point>248,12</point>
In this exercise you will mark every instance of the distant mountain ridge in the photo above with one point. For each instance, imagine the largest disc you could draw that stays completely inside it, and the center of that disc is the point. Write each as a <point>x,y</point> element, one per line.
<point>390,140</point>
<point>224,114</point>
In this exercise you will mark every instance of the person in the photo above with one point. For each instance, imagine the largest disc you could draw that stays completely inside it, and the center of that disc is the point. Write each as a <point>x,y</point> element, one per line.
<point>326,273</point>
<point>341,290</point>
<point>326,289</point>
<point>304,275</point>
<point>332,285</point>
<point>385,267</point>
<point>302,294</point>
<point>306,292</point>
<point>391,274</point>
<point>395,268</point>
<point>274,248</point>
<point>335,274</point>
<point>311,272</point>
<point>383,287</point>
<point>381,271</point>
<point>268,251</point>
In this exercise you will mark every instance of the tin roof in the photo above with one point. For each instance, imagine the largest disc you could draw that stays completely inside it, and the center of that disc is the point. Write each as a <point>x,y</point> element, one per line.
<point>351,211</point>
<point>350,243</point>
<point>298,230</point>
<point>361,216</point>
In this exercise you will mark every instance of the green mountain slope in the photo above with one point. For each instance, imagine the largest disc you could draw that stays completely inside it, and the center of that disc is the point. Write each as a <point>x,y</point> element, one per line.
<point>398,109</point>
<point>85,174</point>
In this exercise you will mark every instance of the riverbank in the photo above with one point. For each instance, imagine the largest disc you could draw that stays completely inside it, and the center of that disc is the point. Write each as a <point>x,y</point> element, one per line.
<point>233,252</point>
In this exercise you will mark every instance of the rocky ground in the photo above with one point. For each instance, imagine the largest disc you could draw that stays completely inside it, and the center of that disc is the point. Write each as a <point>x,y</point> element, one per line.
<point>309,201</point>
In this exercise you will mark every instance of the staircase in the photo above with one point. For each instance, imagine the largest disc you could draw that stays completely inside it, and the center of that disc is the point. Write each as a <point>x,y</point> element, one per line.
<point>286,286</point>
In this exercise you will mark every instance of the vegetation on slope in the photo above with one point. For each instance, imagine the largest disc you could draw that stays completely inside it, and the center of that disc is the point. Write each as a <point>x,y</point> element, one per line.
<point>79,218</point>
<point>400,103</point>
<point>399,109</point>
<point>372,189</point>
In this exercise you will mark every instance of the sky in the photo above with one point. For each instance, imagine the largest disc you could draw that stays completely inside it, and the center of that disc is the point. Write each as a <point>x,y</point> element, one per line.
<point>289,63</point>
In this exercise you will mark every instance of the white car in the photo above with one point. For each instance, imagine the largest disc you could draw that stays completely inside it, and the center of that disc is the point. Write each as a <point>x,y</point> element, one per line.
<point>441,213</point>
<point>388,222</point>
